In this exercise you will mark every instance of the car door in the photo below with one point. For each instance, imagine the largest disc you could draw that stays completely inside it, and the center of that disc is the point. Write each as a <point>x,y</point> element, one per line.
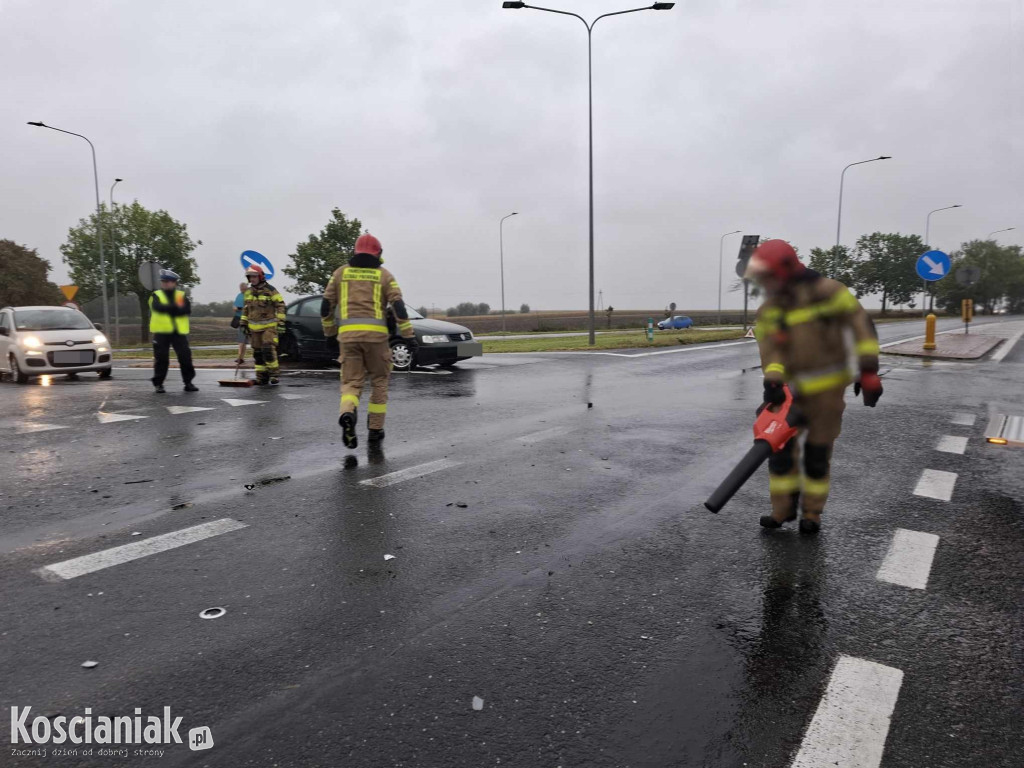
<point>311,329</point>
<point>6,330</point>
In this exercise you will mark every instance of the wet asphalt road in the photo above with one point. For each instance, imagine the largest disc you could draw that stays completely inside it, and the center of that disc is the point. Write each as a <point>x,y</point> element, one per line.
<point>559,565</point>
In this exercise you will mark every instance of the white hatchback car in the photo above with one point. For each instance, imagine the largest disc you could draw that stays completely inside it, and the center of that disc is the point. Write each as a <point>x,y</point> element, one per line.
<point>37,341</point>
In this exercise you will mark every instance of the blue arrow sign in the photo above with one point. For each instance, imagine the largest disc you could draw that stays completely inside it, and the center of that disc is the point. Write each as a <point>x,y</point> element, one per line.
<point>257,259</point>
<point>933,266</point>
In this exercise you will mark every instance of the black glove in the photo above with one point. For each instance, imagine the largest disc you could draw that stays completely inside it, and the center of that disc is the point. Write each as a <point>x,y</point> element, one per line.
<point>411,343</point>
<point>871,385</point>
<point>774,392</point>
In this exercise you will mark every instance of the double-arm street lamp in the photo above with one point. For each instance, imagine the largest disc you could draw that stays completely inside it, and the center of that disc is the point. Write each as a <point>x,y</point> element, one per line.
<point>590,113</point>
<point>501,256</point>
<point>113,265</point>
<point>99,219</point>
<point>721,243</point>
<point>839,216</point>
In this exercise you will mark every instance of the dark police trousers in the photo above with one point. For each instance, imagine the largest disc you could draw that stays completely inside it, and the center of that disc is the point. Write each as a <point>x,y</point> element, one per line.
<point>162,343</point>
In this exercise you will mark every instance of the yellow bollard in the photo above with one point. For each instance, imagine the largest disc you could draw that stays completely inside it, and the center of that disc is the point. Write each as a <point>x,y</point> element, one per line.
<point>929,332</point>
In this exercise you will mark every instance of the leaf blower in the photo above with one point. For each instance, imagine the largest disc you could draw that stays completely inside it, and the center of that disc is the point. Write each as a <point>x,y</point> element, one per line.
<point>774,427</point>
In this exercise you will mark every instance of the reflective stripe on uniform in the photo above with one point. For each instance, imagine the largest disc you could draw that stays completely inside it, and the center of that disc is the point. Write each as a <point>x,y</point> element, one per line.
<point>262,325</point>
<point>405,326</point>
<point>783,483</point>
<point>868,347</point>
<point>354,399</point>
<point>841,303</point>
<point>378,312</point>
<point>815,487</point>
<point>343,304</point>
<point>364,324</point>
<point>778,368</point>
<point>377,408</point>
<point>815,384</point>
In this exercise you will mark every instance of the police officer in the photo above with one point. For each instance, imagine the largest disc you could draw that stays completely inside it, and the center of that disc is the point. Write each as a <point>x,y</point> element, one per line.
<point>354,308</point>
<point>262,318</point>
<point>169,309</point>
<point>802,330</point>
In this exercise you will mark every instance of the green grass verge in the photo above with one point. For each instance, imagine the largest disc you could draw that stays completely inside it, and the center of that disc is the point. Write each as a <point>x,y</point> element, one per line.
<point>198,354</point>
<point>624,340</point>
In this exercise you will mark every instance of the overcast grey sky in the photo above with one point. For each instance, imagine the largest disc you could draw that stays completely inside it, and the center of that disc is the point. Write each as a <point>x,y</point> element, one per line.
<point>429,121</point>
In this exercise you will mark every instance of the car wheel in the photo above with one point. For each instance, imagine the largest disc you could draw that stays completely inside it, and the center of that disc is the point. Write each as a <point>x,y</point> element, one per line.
<point>401,356</point>
<point>106,373</point>
<point>16,373</point>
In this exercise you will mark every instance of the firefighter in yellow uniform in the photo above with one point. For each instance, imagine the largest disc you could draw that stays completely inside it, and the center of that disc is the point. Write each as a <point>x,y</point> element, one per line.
<point>354,308</point>
<point>802,329</point>
<point>262,319</point>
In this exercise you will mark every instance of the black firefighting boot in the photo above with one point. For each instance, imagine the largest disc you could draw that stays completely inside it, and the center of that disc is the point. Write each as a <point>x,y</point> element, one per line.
<point>262,379</point>
<point>376,436</point>
<point>190,387</point>
<point>274,381</point>
<point>347,421</point>
<point>810,523</point>
<point>159,389</point>
<point>783,511</point>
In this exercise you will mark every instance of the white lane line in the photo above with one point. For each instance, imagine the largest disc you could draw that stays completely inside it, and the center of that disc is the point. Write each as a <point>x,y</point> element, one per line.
<point>179,409</point>
<point>544,434</point>
<point>79,566</point>
<point>26,428</point>
<point>693,348</point>
<point>909,559</point>
<point>290,396</point>
<point>951,444</point>
<point>963,419</point>
<point>109,418</point>
<point>410,473</point>
<point>426,373</point>
<point>936,484</point>
<point>239,401</point>
<point>852,720</point>
<point>1003,351</point>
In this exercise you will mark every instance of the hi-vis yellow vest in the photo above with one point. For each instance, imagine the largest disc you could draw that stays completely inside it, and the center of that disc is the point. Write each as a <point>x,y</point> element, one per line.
<point>162,322</point>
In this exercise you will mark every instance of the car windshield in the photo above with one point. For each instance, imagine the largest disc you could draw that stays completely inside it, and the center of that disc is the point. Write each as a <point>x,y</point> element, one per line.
<point>413,314</point>
<point>57,319</point>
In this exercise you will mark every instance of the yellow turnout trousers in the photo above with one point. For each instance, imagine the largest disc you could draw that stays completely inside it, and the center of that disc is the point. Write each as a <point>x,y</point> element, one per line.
<point>359,359</point>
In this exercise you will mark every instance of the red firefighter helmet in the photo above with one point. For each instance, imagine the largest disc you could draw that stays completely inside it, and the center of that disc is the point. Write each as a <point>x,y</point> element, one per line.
<point>367,243</point>
<point>254,269</point>
<point>776,259</point>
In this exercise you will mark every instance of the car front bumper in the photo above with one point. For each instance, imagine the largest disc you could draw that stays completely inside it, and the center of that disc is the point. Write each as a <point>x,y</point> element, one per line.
<point>51,361</point>
<point>435,354</point>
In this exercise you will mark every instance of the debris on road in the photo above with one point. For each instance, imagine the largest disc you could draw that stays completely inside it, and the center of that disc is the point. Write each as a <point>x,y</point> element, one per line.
<point>136,533</point>
<point>183,505</point>
<point>90,664</point>
<point>136,482</point>
<point>389,557</point>
<point>266,481</point>
<point>478,703</point>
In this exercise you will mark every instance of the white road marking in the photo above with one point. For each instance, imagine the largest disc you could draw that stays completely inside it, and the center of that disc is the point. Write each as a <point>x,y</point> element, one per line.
<point>178,409</point>
<point>427,373</point>
<point>1003,351</point>
<point>238,401</point>
<point>544,434</point>
<point>909,559</point>
<point>79,566</point>
<point>410,473</point>
<point>25,428</point>
<point>693,348</point>
<point>936,484</point>
<point>108,418</point>
<point>963,419</point>
<point>290,396</point>
<point>952,444</point>
<point>852,720</point>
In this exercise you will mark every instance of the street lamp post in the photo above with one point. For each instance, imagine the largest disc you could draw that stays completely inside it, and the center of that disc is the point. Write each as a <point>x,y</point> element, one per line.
<point>839,216</point>
<point>721,244</point>
<point>590,115</point>
<point>1008,229</point>
<point>927,231</point>
<point>501,256</point>
<point>99,218</point>
<point>113,265</point>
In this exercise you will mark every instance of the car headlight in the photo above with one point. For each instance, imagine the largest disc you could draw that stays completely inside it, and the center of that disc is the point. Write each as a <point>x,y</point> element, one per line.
<point>433,339</point>
<point>31,342</point>
<point>99,338</point>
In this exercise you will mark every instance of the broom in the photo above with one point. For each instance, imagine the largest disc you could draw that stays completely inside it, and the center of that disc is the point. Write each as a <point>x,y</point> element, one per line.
<point>236,382</point>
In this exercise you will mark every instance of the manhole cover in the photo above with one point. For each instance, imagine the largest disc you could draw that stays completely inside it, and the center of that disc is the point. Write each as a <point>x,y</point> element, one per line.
<point>212,613</point>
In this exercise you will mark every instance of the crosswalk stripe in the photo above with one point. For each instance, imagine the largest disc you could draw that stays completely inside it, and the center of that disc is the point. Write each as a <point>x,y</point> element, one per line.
<point>238,401</point>
<point>79,566</point>
<point>909,559</point>
<point>290,396</point>
<point>952,444</point>
<point>852,720</point>
<point>109,418</point>
<point>179,409</point>
<point>410,473</point>
<point>963,419</point>
<point>26,428</point>
<point>936,484</point>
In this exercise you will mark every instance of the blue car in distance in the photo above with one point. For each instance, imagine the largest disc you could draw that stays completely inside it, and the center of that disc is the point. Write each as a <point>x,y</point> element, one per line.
<point>677,322</point>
